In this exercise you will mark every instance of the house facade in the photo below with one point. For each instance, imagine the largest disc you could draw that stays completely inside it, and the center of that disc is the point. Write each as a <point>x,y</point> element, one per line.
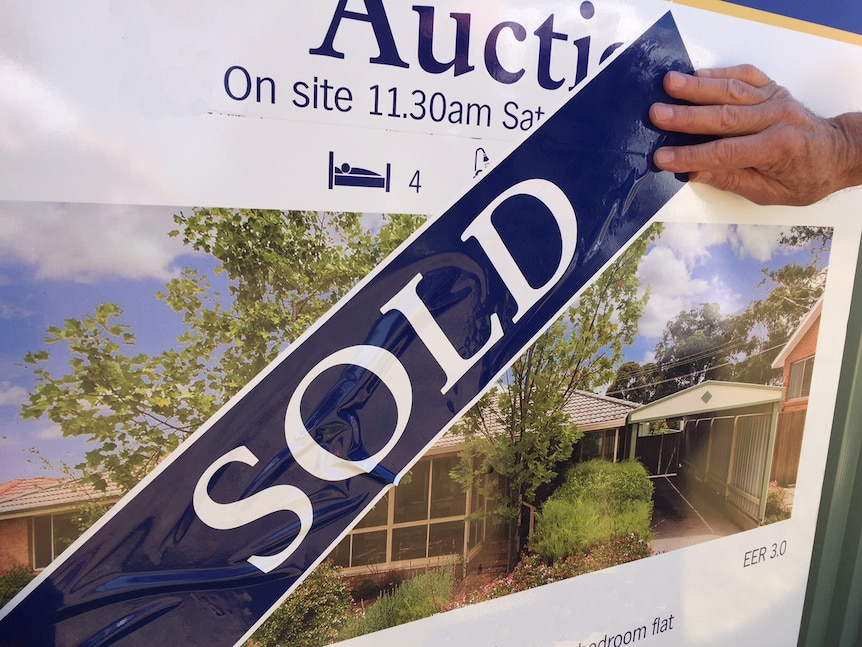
<point>427,520</point>
<point>796,360</point>
<point>38,518</point>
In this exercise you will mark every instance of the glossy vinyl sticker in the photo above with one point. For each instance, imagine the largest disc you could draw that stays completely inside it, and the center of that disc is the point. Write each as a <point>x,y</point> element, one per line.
<point>242,511</point>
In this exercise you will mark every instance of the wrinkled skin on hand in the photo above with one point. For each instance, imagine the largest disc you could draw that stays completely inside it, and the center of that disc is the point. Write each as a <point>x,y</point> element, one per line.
<point>770,148</point>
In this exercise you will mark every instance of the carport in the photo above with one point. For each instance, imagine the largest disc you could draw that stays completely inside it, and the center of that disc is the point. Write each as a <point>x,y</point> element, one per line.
<point>728,437</point>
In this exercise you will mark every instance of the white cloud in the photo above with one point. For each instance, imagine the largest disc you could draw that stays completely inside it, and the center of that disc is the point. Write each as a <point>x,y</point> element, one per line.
<point>52,432</point>
<point>691,242</point>
<point>756,241</point>
<point>673,289</point>
<point>684,248</point>
<point>728,299</point>
<point>12,311</point>
<point>12,396</point>
<point>83,243</point>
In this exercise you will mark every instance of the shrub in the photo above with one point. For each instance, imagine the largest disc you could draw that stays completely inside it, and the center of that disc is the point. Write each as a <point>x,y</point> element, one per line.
<point>606,481</point>
<point>533,571</point>
<point>12,581</point>
<point>365,590</point>
<point>311,615</point>
<point>598,501</point>
<point>776,508</point>
<point>419,597</point>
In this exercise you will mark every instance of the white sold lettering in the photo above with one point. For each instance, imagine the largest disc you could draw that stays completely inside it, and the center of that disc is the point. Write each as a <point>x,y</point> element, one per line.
<point>408,303</point>
<point>489,238</point>
<point>311,456</point>
<point>227,516</point>
<point>325,465</point>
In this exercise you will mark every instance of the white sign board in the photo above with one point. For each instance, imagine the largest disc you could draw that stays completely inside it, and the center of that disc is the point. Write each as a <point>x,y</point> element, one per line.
<point>114,118</point>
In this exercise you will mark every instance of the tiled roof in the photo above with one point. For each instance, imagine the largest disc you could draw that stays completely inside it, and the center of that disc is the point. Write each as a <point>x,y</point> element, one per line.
<point>589,411</point>
<point>598,411</point>
<point>448,440</point>
<point>33,494</point>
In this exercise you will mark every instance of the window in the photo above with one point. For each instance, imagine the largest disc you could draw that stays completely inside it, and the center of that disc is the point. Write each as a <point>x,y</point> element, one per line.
<point>369,548</point>
<point>589,447</point>
<point>425,516</point>
<point>800,378</point>
<point>411,497</point>
<point>51,535</point>
<point>476,524</point>
<point>446,538</point>
<point>447,496</point>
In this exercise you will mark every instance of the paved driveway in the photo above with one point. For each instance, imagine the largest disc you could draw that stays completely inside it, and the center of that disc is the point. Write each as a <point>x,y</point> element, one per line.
<point>681,519</point>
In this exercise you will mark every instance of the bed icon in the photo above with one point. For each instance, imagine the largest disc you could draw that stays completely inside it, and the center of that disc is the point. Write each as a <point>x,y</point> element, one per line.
<point>346,175</point>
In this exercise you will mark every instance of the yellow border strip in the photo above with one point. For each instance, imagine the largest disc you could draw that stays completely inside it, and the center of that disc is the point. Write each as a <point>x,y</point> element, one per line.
<point>758,15</point>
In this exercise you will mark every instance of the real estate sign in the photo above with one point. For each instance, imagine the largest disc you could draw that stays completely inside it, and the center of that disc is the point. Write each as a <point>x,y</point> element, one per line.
<point>521,130</point>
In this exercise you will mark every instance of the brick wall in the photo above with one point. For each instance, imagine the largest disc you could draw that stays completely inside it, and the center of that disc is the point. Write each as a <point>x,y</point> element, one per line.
<point>14,543</point>
<point>807,347</point>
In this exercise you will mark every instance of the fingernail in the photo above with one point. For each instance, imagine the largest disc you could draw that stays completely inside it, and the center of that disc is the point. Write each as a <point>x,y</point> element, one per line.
<point>704,176</point>
<point>663,156</point>
<point>662,112</point>
<point>675,80</point>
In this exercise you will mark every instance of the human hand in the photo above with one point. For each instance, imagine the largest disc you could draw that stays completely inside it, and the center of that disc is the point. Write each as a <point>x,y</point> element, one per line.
<point>771,149</point>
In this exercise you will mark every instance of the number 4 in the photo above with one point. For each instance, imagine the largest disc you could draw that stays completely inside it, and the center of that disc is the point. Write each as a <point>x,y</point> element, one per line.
<point>415,182</point>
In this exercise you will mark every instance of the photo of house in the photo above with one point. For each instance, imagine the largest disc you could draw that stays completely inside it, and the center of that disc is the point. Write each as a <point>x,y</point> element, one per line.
<point>39,518</point>
<point>675,360</point>
<point>429,520</point>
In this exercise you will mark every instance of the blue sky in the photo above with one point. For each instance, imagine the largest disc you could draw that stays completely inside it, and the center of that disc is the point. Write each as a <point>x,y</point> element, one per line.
<point>61,260</point>
<point>706,263</point>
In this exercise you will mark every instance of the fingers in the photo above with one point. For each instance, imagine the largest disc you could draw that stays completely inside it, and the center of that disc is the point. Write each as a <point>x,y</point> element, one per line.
<point>711,120</point>
<point>721,154</point>
<point>738,100</point>
<point>710,87</point>
<point>745,73</point>
<point>748,183</point>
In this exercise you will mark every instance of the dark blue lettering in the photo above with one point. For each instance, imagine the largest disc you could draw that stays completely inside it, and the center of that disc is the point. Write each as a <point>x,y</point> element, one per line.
<point>492,61</point>
<point>610,50</point>
<point>426,43</point>
<point>547,35</point>
<point>298,88</point>
<point>247,76</point>
<point>376,16</point>
<point>583,45</point>
<point>266,80</point>
<point>514,123</point>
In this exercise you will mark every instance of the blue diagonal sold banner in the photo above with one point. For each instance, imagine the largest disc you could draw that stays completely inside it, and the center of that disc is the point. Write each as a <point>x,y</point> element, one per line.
<point>237,516</point>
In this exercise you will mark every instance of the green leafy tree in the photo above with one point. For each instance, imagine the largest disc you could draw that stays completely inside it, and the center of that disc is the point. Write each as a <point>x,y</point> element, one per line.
<point>704,344</point>
<point>696,345</point>
<point>281,272</point>
<point>520,431</point>
<point>793,290</point>
<point>767,323</point>
<point>819,239</point>
<point>635,382</point>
